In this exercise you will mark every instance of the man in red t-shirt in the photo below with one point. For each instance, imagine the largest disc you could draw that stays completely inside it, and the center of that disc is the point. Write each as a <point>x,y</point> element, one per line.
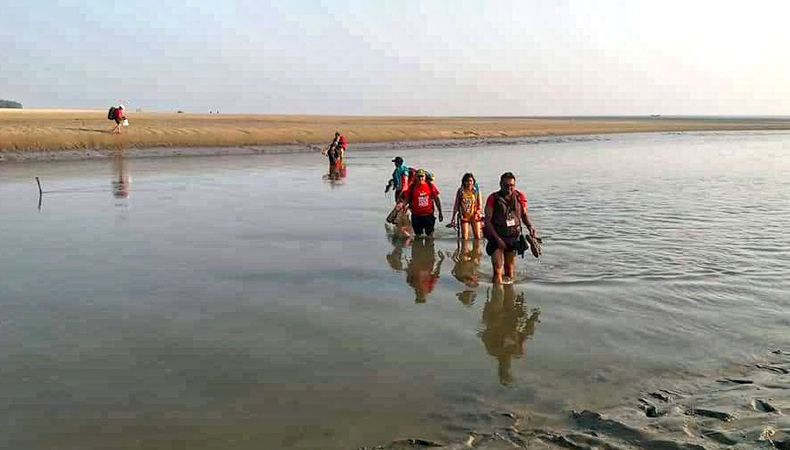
<point>505,211</point>
<point>420,198</point>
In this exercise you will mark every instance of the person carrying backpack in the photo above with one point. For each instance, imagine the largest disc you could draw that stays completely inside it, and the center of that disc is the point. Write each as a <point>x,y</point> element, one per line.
<point>399,182</point>
<point>504,213</point>
<point>420,198</point>
<point>119,115</point>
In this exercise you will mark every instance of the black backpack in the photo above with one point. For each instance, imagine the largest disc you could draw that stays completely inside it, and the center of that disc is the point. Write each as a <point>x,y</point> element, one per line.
<point>111,113</point>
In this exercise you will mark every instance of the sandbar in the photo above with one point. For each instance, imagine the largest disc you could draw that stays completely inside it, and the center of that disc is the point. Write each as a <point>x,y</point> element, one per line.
<point>48,134</point>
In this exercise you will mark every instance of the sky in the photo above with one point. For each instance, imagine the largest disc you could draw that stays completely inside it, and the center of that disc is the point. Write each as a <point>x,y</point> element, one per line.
<point>454,57</point>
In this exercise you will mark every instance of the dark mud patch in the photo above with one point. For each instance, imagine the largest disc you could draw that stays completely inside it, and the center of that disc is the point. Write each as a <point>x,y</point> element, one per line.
<point>741,411</point>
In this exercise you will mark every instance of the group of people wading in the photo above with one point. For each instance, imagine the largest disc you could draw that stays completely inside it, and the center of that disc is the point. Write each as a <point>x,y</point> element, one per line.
<point>336,152</point>
<point>500,219</point>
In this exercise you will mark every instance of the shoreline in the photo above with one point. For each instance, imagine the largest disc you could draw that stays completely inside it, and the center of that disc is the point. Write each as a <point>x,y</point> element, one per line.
<point>274,149</point>
<point>51,135</point>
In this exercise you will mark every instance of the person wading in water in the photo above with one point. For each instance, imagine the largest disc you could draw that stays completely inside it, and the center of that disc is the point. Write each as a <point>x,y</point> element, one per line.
<point>336,152</point>
<point>420,198</point>
<point>469,206</point>
<point>505,212</point>
<point>399,182</point>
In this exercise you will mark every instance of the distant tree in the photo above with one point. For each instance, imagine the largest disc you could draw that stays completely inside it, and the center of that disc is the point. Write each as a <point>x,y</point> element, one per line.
<point>10,104</point>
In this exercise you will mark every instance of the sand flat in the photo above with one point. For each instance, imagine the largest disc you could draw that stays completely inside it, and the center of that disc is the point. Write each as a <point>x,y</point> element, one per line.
<point>26,130</point>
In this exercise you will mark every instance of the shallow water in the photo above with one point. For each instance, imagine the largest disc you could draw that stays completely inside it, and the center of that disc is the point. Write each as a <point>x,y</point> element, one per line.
<point>249,302</point>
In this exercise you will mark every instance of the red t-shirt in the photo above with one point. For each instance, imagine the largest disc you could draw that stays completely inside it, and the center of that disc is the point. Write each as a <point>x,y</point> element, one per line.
<point>522,198</point>
<point>342,141</point>
<point>119,114</point>
<point>421,201</point>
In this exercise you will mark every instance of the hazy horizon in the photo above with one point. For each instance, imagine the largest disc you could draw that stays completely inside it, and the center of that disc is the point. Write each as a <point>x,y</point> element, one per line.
<point>465,58</point>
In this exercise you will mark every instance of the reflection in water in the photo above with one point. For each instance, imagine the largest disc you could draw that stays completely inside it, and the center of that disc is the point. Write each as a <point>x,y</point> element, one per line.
<point>467,260</point>
<point>337,173</point>
<point>422,269</point>
<point>121,181</point>
<point>505,326</point>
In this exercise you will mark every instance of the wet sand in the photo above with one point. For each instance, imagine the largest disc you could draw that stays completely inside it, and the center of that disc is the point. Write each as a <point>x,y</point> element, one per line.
<point>741,407</point>
<point>68,134</point>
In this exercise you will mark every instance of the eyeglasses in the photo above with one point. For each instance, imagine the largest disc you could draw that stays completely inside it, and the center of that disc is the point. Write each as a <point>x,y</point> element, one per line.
<point>420,176</point>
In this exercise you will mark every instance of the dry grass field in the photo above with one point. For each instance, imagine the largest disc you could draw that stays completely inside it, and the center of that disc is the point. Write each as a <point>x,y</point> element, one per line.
<point>52,130</point>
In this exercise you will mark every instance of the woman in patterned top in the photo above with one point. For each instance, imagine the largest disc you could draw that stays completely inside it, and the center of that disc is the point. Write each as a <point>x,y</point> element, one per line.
<point>468,208</point>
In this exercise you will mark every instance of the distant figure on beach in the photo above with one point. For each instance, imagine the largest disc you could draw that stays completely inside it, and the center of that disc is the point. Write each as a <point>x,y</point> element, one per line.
<point>506,326</point>
<point>420,197</point>
<point>423,270</point>
<point>505,212</point>
<point>399,181</point>
<point>120,119</point>
<point>468,208</point>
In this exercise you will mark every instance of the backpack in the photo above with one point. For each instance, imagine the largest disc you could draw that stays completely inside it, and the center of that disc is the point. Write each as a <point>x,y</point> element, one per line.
<point>111,113</point>
<point>413,175</point>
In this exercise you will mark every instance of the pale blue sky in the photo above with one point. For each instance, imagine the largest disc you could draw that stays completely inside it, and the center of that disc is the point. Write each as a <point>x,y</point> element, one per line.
<point>495,57</point>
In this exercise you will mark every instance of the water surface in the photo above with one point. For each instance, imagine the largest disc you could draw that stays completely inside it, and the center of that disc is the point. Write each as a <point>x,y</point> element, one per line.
<point>250,302</point>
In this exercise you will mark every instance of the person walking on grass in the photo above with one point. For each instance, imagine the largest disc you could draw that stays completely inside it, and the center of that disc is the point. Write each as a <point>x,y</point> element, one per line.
<point>120,119</point>
<point>420,198</point>
<point>505,212</point>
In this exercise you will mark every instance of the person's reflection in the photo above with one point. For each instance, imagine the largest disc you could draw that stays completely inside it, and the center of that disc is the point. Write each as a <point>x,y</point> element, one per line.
<point>506,325</point>
<point>337,173</point>
<point>121,181</point>
<point>423,269</point>
<point>396,258</point>
<point>467,260</point>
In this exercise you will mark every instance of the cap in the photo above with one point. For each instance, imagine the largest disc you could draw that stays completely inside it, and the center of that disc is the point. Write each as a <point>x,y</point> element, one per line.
<point>421,172</point>
<point>398,160</point>
<point>121,107</point>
